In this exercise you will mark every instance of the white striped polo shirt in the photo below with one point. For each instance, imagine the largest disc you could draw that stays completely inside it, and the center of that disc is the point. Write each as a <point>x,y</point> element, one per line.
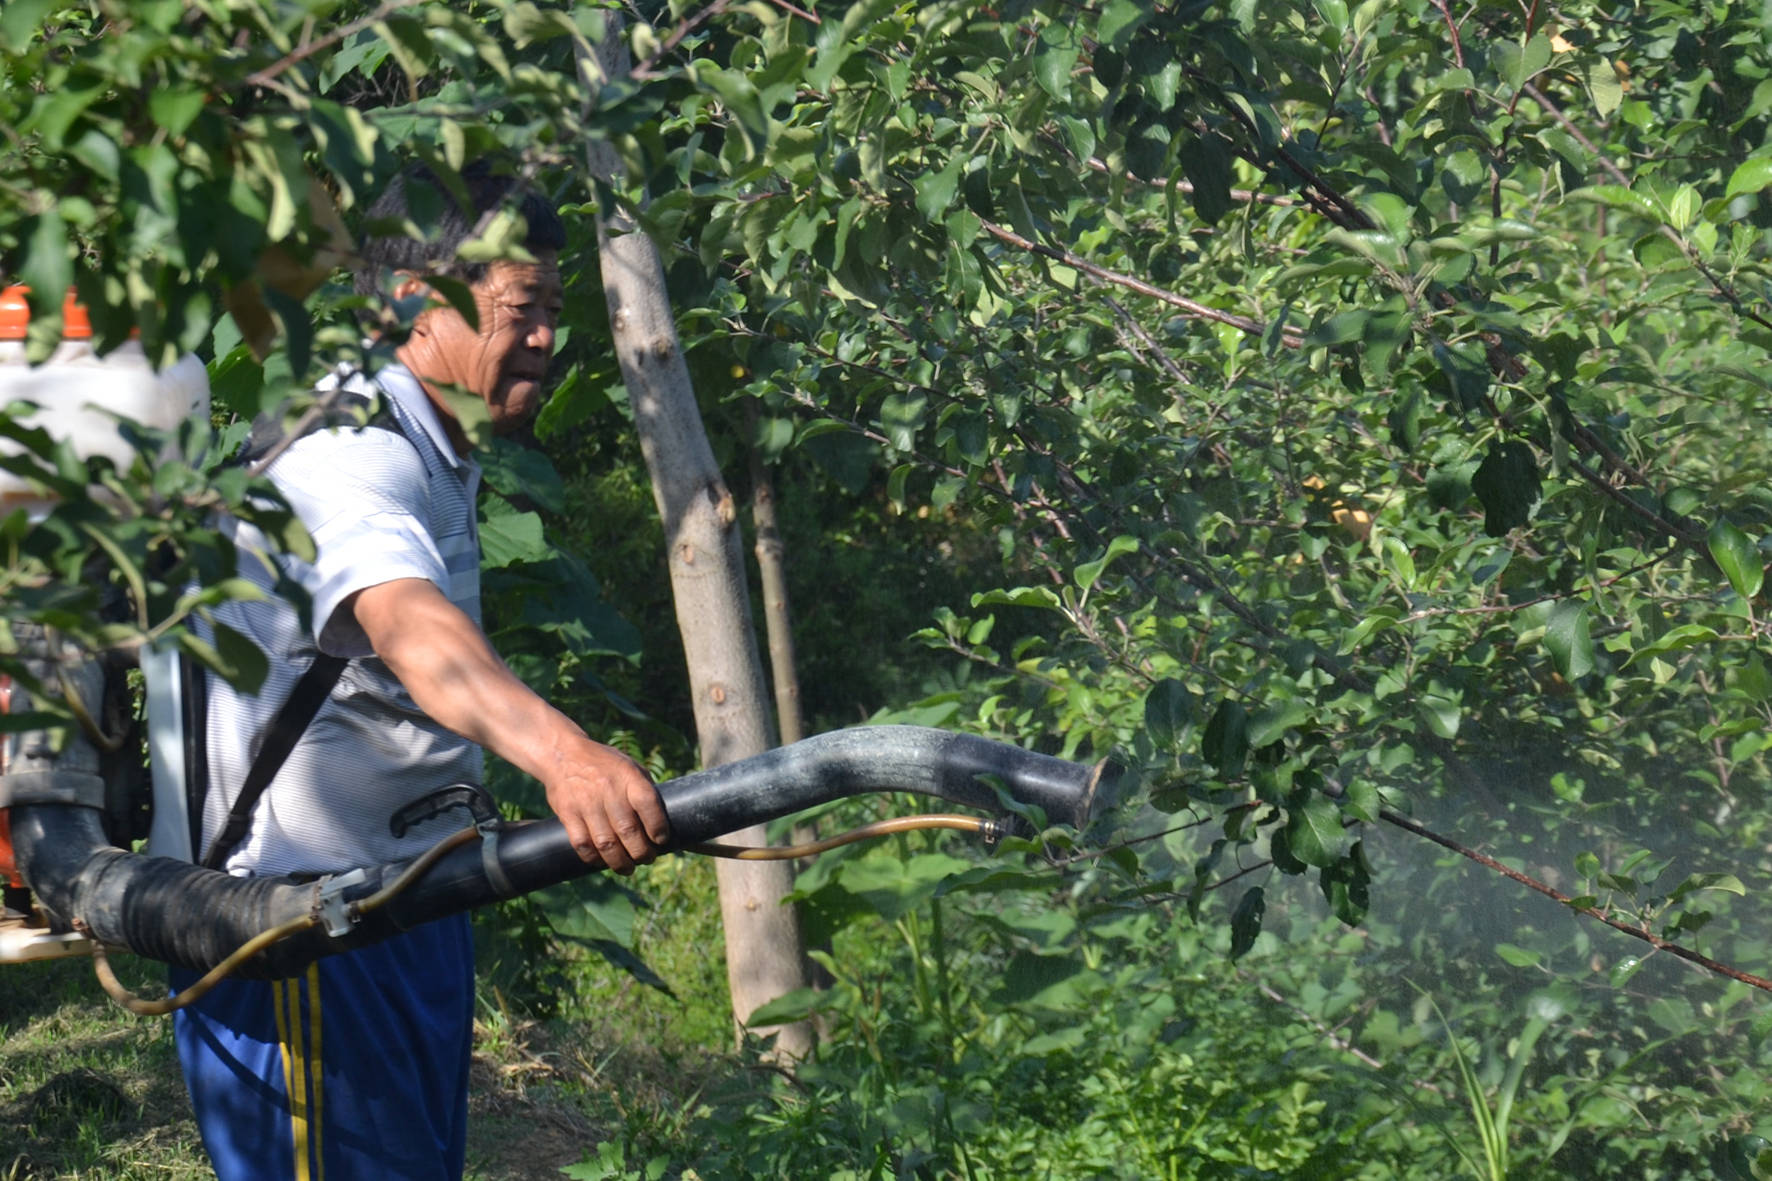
<point>379,507</point>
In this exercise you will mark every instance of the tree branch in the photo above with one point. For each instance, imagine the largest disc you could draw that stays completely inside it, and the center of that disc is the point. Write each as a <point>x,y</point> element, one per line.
<point>1325,1032</point>
<point>267,76</point>
<point>684,27</point>
<point>1532,883</point>
<point>1187,186</point>
<point>1290,337</point>
<point>1723,290</point>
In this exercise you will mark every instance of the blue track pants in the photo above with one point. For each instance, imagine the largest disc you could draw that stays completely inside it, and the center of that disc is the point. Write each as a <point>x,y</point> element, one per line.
<point>356,1069</point>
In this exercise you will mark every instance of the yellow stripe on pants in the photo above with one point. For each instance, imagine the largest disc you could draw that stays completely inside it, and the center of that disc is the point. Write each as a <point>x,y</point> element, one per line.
<point>300,1063</point>
<point>314,1070</point>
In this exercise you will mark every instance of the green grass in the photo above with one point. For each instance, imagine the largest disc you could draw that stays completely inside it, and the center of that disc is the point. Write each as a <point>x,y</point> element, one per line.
<point>87,1090</point>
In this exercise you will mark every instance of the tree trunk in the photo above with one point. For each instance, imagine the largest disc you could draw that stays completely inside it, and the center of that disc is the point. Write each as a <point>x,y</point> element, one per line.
<point>765,957</point>
<point>777,620</point>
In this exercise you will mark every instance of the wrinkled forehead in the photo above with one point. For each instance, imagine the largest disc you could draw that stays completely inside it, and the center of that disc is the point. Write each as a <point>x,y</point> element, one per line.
<point>537,281</point>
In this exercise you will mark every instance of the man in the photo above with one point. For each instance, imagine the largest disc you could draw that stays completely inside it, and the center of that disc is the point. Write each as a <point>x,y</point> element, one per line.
<point>359,1068</point>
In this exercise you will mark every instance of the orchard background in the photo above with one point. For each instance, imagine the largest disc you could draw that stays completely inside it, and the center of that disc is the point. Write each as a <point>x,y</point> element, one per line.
<point>1351,417</point>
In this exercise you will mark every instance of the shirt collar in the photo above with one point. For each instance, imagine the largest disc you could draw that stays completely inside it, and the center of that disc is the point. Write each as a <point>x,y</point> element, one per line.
<point>398,383</point>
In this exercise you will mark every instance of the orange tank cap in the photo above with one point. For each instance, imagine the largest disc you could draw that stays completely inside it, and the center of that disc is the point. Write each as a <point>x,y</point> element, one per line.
<point>76,325</point>
<point>15,313</point>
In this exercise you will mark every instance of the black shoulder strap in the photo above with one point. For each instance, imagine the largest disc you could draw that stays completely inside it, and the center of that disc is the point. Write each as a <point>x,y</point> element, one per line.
<point>193,684</point>
<point>285,729</point>
<point>344,408</point>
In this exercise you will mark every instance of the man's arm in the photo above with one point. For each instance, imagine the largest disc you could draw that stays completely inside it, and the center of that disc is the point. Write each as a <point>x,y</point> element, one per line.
<point>610,809</point>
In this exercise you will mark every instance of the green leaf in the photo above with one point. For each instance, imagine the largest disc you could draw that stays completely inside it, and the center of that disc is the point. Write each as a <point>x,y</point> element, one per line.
<point>1246,921</point>
<point>1147,150</point>
<point>32,719</point>
<point>1279,849</point>
<point>1053,66</point>
<point>173,109</point>
<point>895,483</point>
<point>1347,885</point>
<point>1362,800</point>
<point>1727,883</point>
<point>1569,639</point>
<point>1468,379</point>
<point>1508,485</point>
<point>1270,723</point>
<point>514,470</point>
<point>1620,197</point>
<point>791,1007</point>
<point>1021,596</point>
<point>501,239</point>
<point>1738,557</point>
<point>1341,328</point>
<point>1168,707</point>
<point>1314,832</point>
<point>1684,636</point>
<point>1442,713</point>
<point>1333,12</point>
<point>1604,86</point>
<point>1519,957</point>
<point>1535,55</point>
<point>233,657</point>
<point>1750,176</point>
<point>1043,981</point>
<point>1225,743</point>
<point>1683,207</point>
<point>508,536</point>
<point>1087,573</point>
<point>902,416</point>
<point>19,21</point>
<point>935,190</point>
<point>740,96</point>
<point>1118,20</point>
<point>47,266</point>
<point>1207,162</point>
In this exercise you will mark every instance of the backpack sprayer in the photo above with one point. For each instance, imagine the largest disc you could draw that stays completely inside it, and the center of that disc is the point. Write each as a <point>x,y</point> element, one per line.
<point>68,821</point>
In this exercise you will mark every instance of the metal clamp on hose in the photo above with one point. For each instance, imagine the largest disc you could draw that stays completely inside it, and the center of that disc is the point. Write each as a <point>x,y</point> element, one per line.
<point>496,877</point>
<point>337,915</point>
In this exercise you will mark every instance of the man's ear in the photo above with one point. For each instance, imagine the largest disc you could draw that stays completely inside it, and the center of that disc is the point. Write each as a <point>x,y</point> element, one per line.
<point>408,286</point>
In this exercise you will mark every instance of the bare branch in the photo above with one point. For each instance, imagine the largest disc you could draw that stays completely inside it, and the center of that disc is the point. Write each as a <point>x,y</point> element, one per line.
<point>1532,883</point>
<point>1290,337</point>
<point>267,76</point>
<point>1728,294</point>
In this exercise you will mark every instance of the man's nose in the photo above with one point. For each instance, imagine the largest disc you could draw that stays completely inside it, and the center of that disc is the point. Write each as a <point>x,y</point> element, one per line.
<point>541,334</point>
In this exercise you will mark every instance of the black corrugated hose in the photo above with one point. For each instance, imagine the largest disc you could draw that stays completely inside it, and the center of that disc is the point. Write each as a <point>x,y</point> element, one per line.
<point>198,918</point>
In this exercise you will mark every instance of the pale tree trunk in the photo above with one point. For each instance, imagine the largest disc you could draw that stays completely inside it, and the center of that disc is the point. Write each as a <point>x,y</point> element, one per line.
<point>778,626</point>
<point>765,957</point>
<point>772,565</point>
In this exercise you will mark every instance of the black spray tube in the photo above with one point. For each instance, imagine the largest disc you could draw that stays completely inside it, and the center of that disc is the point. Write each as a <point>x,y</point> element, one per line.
<point>194,917</point>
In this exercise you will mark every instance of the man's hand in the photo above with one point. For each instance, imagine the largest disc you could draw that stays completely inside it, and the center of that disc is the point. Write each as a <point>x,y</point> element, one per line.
<point>609,807</point>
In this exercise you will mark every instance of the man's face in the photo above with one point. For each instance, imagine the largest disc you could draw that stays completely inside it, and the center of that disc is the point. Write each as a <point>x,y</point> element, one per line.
<point>506,360</point>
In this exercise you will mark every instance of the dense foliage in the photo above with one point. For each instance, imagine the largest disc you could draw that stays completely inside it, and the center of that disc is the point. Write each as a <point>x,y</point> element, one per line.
<point>1356,409</point>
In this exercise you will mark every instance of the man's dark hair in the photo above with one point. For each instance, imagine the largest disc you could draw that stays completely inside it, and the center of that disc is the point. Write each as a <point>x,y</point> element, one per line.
<point>418,195</point>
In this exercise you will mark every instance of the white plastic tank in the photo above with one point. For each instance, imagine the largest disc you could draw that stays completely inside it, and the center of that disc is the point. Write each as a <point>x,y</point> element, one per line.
<point>79,396</point>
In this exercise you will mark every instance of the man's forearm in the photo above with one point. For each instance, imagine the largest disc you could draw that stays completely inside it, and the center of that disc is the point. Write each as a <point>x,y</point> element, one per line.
<point>455,677</point>
<point>607,804</point>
